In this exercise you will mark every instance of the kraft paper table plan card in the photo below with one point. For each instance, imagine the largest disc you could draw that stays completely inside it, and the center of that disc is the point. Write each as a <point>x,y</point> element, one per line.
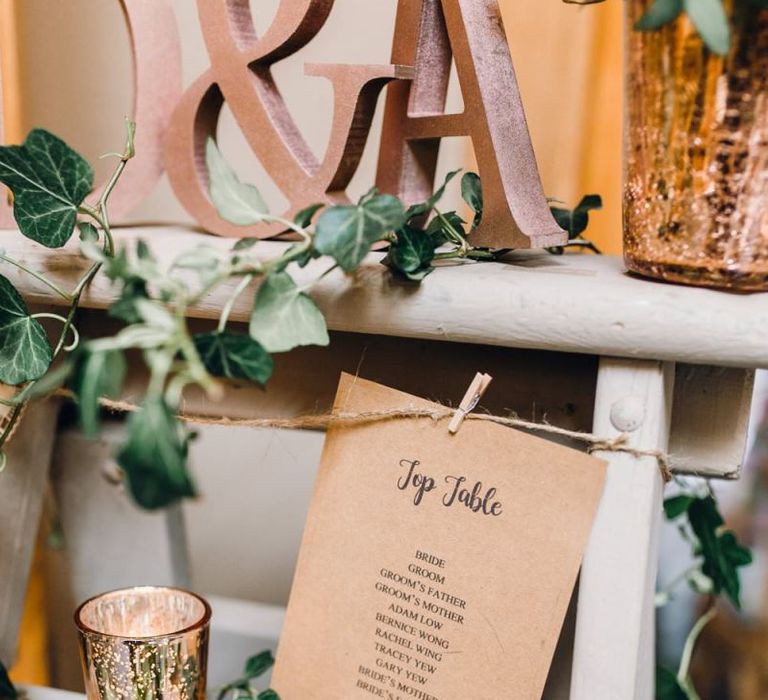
<point>433,566</point>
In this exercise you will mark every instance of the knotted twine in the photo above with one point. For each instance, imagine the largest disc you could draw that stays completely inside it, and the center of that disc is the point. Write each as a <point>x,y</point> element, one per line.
<point>320,421</point>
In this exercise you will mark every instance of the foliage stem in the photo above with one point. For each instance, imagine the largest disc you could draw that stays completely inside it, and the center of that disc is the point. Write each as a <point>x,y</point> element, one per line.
<point>75,334</point>
<point>690,643</point>
<point>311,284</point>
<point>227,310</point>
<point>38,276</point>
<point>457,237</point>
<point>196,367</point>
<point>677,580</point>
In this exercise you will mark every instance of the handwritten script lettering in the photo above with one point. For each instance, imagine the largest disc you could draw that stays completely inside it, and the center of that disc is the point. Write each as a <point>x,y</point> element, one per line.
<point>476,499</point>
<point>422,484</point>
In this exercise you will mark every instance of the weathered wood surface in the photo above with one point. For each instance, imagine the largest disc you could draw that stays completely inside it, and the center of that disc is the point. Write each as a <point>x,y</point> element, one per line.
<point>614,646</point>
<point>535,385</point>
<point>571,303</point>
<point>22,488</point>
<point>710,418</point>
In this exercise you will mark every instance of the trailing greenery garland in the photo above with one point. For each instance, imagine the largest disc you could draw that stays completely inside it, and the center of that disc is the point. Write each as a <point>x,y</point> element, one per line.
<point>708,16</point>
<point>50,182</point>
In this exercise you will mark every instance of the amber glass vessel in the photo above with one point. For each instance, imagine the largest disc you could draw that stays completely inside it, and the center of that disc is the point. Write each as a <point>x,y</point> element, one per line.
<point>144,644</point>
<point>696,183</point>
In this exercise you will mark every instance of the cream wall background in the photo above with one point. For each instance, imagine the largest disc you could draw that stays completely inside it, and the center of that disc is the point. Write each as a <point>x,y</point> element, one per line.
<point>569,61</point>
<point>75,77</point>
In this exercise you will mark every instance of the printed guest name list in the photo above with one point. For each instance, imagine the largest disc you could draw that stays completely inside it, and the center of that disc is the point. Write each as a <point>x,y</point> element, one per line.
<point>412,631</point>
<point>417,623</point>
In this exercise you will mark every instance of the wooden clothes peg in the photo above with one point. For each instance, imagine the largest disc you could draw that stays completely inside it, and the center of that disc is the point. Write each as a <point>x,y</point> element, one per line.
<point>474,393</point>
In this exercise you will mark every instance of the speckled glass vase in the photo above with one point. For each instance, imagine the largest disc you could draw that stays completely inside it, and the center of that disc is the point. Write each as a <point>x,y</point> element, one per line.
<point>696,183</point>
<point>144,644</point>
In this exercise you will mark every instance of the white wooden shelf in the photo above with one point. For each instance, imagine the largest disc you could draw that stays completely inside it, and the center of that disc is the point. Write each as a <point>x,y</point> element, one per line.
<point>577,303</point>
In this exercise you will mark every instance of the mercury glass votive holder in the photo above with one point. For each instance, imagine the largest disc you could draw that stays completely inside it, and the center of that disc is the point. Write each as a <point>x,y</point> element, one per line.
<point>144,643</point>
<point>696,188</point>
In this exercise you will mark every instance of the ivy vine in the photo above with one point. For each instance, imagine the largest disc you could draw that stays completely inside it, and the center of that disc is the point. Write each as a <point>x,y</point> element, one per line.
<point>718,556</point>
<point>50,183</point>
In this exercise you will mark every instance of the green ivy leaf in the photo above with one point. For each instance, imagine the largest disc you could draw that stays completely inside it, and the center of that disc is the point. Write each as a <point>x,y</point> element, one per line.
<point>580,218</point>
<point>576,221</point>
<point>125,308</point>
<point>52,380</point>
<point>235,356</point>
<point>308,256</point>
<point>438,226</point>
<point>733,551</point>
<point>426,207</point>
<point>711,21</point>
<point>88,232</point>
<point>7,689</point>
<point>236,202</point>
<point>97,374</point>
<point>201,257</point>
<point>660,13</point>
<point>284,317</point>
<point>154,456</point>
<point>721,552</point>
<point>304,217</point>
<point>677,505</point>
<point>472,193</point>
<point>699,583</point>
<point>25,353</point>
<point>346,233</point>
<point>259,664</point>
<point>412,254</point>
<point>49,182</point>
<point>667,685</point>
<point>245,244</point>
<point>564,218</point>
<point>135,335</point>
<point>256,666</point>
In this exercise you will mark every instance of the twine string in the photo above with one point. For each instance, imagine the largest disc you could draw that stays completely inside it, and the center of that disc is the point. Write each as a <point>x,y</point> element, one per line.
<point>594,443</point>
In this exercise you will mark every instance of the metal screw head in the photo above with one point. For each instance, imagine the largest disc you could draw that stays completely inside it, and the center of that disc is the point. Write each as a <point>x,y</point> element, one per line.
<point>627,414</point>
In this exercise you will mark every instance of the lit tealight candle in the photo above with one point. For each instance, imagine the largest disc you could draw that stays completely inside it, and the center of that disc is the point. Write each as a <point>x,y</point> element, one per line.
<point>144,644</point>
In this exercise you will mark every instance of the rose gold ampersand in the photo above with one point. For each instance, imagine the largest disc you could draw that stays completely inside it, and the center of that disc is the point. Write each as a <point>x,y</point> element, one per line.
<point>240,74</point>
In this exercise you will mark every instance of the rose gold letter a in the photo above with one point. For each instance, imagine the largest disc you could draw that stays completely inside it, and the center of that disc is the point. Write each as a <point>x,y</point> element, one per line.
<point>427,33</point>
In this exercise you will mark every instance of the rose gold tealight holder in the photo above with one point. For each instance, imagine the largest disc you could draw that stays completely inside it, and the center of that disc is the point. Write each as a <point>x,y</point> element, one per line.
<point>144,644</point>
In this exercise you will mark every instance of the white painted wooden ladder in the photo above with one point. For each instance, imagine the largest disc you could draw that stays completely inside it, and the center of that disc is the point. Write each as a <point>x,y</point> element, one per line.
<point>674,369</point>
